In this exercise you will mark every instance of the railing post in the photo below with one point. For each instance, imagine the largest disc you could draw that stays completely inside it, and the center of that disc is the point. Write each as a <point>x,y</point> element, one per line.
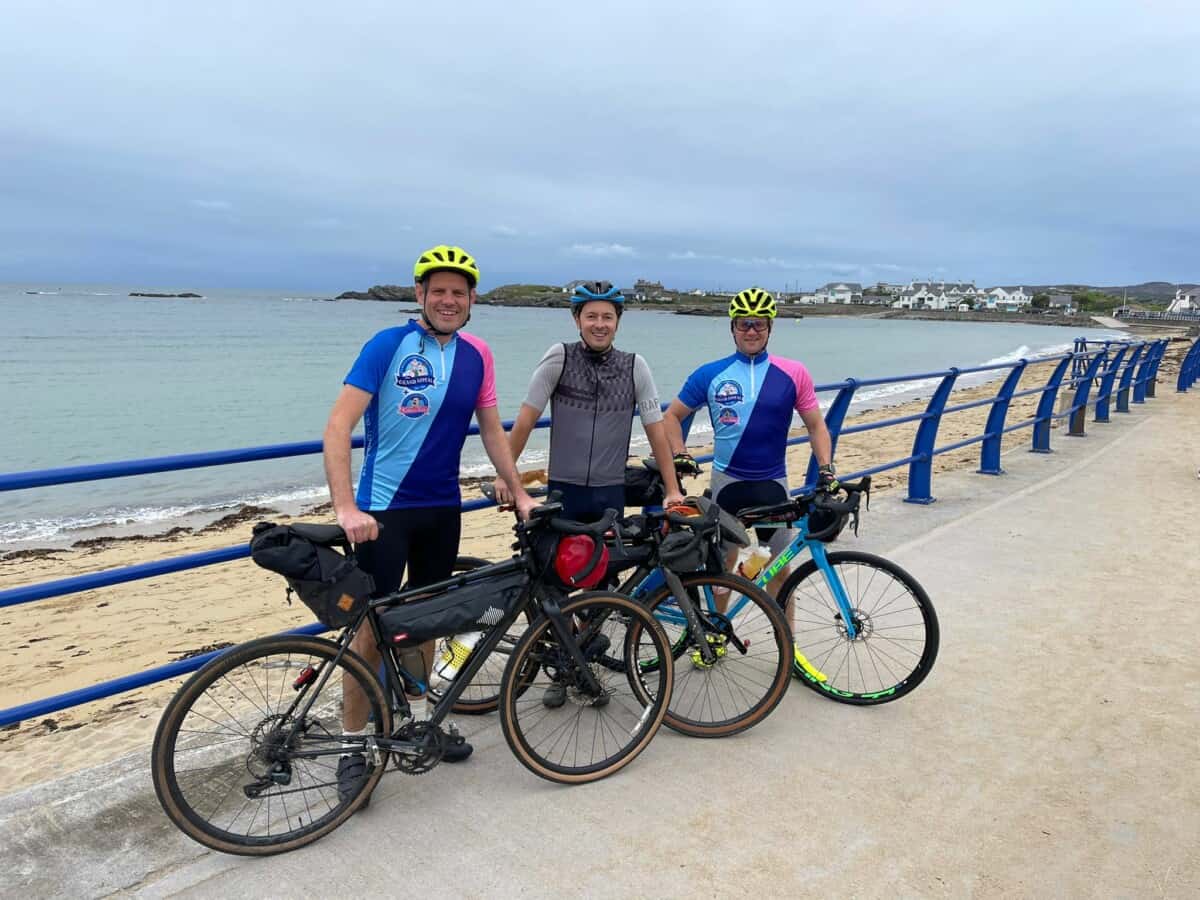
<point>1045,410</point>
<point>1143,374</point>
<point>1077,357</point>
<point>1106,385</point>
<point>1079,404</point>
<point>1187,368</point>
<point>920,470</point>
<point>833,421</point>
<point>1181,384</point>
<point>989,455</point>
<point>1127,379</point>
<point>1160,347</point>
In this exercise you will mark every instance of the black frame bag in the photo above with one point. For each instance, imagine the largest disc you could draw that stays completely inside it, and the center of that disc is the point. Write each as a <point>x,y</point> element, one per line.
<point>329,582</point>
<point>471,607</point>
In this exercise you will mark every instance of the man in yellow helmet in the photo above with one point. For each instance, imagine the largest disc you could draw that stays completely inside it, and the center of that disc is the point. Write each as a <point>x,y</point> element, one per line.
<point>751,396</point>
<point>417,385</point>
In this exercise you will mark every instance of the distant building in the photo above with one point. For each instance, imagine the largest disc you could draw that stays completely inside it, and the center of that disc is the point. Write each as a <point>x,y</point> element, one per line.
<point>840,292</point>
<point>1185,301</point>
<point>936,295</point>
<point>1063,303</point>
<point>648,288</point>
<point>1007,299</point>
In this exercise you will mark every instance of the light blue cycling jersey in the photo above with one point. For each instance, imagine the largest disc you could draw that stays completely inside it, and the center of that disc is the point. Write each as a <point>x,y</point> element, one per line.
<point>750,402</point>
<point>423,396</point>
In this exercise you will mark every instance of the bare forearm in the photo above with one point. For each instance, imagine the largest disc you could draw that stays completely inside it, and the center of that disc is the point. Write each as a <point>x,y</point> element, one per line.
<point>661,447</point>
<point>673,429</point>
<point>822,445</point>
<point>337,468</point>
<point>523,425</point>
<point>496,445</point>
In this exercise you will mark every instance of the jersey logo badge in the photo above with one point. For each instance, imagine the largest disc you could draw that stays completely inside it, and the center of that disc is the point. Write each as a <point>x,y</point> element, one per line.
<point>728,417</point>
<point>415,373</point>
<point>728,392</point>
<point>414,406</point>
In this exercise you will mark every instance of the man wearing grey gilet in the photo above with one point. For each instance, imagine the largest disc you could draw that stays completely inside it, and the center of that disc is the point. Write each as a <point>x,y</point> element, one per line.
<point>593,390</point>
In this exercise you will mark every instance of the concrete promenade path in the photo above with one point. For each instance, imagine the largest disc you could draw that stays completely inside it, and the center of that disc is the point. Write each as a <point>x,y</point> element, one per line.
<point>1052,752</point>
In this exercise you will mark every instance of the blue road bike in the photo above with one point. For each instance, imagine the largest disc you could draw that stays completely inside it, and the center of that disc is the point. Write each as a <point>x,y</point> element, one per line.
<point>865,632</point>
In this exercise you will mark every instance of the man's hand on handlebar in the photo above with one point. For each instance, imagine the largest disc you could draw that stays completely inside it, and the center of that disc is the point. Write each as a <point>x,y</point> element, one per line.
<point>675,499</point>
<point>358,525</point>
<point>504,495</point>
<point>827,482</point>
<point>524,504</point>
<point>685,464</point>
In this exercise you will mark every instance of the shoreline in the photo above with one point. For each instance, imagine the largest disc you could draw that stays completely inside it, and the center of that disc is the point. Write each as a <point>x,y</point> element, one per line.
<point>315,503</point>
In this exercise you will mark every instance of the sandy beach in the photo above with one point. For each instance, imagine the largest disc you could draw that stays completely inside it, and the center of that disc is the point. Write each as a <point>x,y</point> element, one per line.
<point>71,642</point>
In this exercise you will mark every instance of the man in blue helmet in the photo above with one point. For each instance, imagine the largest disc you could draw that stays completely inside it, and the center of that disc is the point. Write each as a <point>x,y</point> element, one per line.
<point>593,390</point>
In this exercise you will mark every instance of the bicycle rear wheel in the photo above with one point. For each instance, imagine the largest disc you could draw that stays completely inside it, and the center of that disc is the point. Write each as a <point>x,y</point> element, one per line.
<point>555,725</point>
<point>751,643</point>
<point>898,634</point>
<point>238,763</point>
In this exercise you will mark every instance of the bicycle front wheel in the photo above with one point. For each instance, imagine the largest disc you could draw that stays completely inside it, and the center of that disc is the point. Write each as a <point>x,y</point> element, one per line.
<point>565,726</point>
<point>246,755</point>
<point>897,629</point>
<point>751,651</point>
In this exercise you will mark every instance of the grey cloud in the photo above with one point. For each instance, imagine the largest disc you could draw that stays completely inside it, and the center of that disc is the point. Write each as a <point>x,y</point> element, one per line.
<point>602,250</point>
<point>1025,142</point>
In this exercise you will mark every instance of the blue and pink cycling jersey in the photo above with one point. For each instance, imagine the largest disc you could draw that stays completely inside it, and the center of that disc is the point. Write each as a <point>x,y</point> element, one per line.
<point>423,396</point>
<point>750,401</point>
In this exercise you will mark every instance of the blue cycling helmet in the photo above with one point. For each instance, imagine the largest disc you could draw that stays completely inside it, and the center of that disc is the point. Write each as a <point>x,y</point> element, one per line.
<point>597,290</point>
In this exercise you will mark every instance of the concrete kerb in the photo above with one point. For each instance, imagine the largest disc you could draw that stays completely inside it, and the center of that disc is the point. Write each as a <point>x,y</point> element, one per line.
<point>100,831</point>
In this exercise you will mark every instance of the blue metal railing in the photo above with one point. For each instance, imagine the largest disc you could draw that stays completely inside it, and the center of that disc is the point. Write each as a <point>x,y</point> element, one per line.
<point>1131,368</point>
<point>1189,370</point>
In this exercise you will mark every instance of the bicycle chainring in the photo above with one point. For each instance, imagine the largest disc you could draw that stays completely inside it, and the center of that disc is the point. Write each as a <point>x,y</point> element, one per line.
<point>431,740</point>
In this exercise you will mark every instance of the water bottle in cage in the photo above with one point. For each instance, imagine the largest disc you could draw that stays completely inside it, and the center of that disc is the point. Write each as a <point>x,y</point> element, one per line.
<point>454,653</point>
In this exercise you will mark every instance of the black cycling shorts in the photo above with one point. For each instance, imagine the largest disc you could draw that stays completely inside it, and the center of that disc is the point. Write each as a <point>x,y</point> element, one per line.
<point>738,495</point>
<point>425,538</point>
<point>587,504</point>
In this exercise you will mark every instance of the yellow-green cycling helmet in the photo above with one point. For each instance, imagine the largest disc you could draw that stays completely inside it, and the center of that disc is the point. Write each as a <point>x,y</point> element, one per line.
<point>753,303</point>
<point>443,258</point>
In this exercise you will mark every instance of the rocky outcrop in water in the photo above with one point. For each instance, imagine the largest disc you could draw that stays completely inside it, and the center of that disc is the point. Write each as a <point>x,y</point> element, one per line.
<point>393,293</point>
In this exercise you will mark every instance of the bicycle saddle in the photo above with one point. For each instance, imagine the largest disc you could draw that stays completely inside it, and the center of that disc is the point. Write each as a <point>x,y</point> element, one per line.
<point>324,535</point>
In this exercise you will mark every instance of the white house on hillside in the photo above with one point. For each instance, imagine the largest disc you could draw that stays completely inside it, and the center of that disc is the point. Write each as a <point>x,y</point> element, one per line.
<point>1009,299</point>
<point>1185,301</point>
<point>839,292</point>
<point>937,295</point>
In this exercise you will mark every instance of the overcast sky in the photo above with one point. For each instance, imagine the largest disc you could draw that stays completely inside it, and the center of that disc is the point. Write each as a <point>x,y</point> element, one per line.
<point>322,146</point>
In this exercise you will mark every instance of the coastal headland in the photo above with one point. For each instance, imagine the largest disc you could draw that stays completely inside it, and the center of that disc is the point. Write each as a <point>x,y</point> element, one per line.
<point>691,304</point>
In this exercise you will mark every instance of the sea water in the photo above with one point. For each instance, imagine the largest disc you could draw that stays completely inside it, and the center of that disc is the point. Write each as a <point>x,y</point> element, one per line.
<point>91,375</point>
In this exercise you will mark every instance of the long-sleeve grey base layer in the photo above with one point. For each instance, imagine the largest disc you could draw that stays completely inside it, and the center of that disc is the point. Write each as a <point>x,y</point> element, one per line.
<point>593,397</point>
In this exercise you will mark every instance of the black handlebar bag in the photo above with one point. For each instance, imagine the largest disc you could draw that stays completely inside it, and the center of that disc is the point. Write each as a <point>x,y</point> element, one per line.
<point>471,607</point>
<point>329,582</point>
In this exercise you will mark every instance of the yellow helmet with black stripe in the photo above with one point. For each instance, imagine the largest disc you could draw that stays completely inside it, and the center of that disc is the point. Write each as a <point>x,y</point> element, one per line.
<point>753,303</point>
<point>443,258</point>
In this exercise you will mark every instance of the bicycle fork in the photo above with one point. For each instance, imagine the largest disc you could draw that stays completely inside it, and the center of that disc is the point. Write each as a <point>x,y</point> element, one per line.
<point>569,641</point>
<point>688,608</point>
<point>817,549</point>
